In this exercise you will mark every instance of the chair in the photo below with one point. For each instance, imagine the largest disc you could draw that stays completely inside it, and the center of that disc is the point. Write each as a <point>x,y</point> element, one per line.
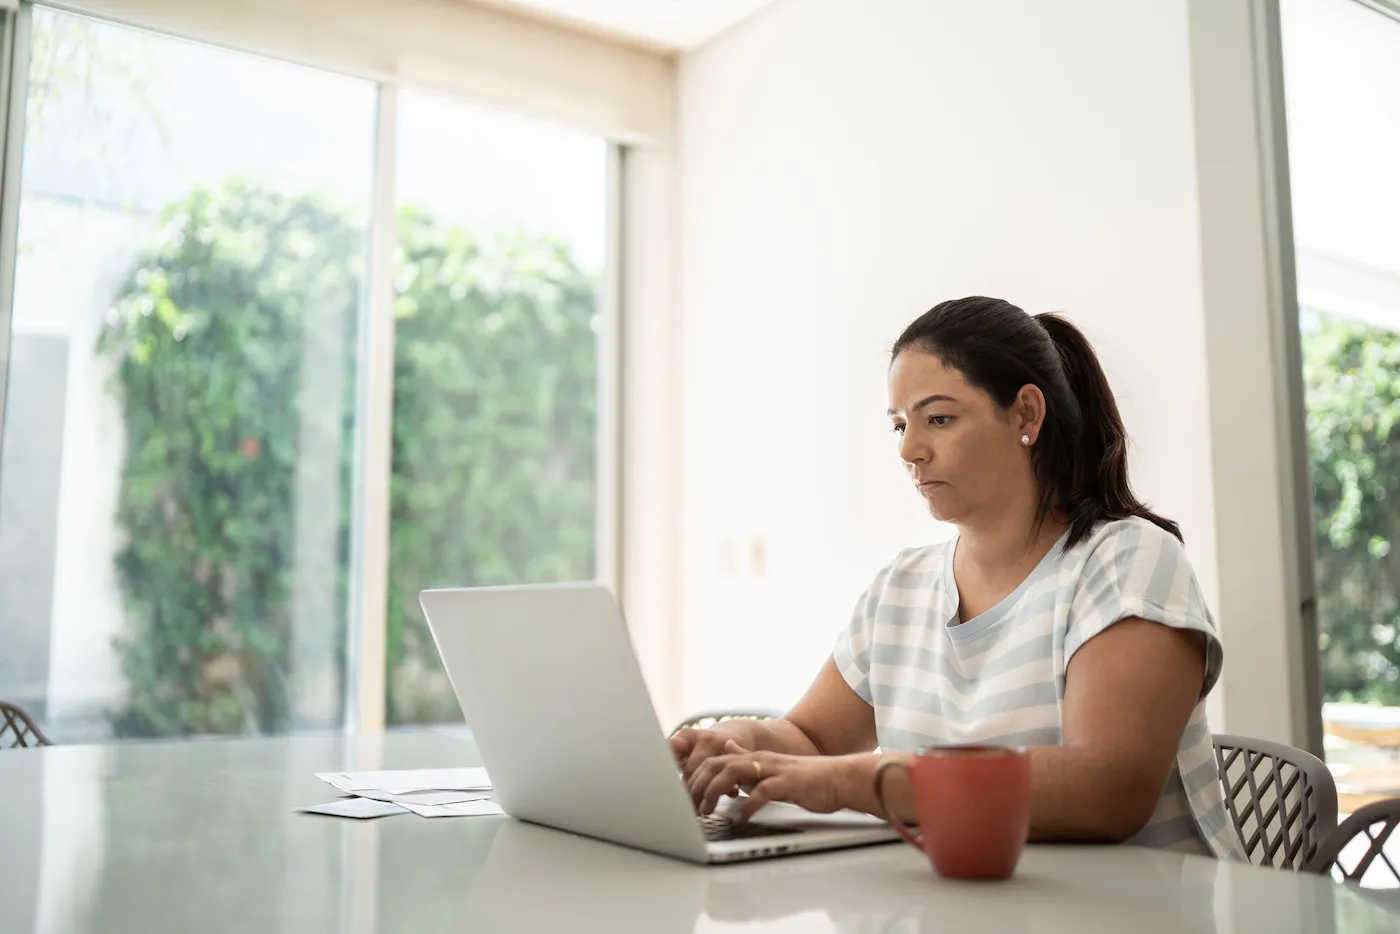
<point>18,730</point>
<point>1282,800</point>
<point>710,717</point>
<point>1377,823</point>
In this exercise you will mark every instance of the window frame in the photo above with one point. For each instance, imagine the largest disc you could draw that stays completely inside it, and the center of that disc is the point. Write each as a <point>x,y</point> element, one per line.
<point>367,601</point>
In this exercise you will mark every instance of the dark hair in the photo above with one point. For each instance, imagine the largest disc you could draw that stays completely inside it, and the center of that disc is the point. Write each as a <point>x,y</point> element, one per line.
<point>1080,458</point>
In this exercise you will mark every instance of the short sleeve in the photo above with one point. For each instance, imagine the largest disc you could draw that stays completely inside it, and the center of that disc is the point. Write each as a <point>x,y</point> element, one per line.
<point>852,650</point>
<point>1138,570</point>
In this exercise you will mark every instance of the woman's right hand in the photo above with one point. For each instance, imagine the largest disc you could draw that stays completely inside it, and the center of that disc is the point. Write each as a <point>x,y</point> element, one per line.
<point>692,747</point>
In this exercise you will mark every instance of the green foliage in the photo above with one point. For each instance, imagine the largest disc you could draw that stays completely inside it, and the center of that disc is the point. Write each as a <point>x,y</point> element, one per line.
<point>208,336</point>
<point>495,398</point>
<point>213,337</point>
<point>1352,374</point>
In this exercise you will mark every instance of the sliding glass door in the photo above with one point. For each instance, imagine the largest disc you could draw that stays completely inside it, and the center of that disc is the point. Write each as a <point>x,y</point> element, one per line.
<point>501,227</point>
<point>1342,67</point>
<point>182,444</point>
<point>180,395</point>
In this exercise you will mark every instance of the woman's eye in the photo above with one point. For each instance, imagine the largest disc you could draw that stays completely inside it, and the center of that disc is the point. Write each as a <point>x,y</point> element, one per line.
<point>940,420</point>
<point>897,429</point>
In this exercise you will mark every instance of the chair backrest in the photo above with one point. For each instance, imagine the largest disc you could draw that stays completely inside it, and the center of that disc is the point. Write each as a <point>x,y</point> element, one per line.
<point>1343,856</point>
<point>710,717</point>
<point>1282,800</point>
<point>18,729</point>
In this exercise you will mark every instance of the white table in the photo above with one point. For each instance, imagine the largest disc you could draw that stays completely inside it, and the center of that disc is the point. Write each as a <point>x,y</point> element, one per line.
<point>201,837</point>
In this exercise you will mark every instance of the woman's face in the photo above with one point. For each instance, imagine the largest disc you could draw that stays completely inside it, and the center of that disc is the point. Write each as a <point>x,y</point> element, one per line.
<point>963,451</point>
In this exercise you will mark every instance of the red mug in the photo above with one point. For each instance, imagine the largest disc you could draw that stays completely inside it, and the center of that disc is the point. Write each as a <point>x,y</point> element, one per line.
<point>973,804</point>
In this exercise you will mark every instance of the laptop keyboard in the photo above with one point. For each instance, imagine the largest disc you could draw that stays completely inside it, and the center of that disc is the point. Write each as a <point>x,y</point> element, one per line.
<point>717,827</point>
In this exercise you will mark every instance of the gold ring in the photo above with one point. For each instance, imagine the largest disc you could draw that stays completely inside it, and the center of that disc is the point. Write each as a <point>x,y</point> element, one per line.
<point>757,770</point>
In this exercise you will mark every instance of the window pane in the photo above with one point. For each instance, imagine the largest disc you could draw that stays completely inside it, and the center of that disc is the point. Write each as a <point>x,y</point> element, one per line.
<point>501,229</point>
<point>1342,66</point>
<point>177,442</point>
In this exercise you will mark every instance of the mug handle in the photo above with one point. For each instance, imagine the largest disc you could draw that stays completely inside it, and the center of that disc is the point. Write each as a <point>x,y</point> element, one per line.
<point>916,842</point>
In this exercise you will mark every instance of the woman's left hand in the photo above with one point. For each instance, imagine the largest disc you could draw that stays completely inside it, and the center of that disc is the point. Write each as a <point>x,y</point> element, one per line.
<point>811,782</point>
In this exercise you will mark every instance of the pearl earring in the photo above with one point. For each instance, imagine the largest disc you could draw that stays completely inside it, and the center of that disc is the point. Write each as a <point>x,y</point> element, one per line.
<point>1026,440</point>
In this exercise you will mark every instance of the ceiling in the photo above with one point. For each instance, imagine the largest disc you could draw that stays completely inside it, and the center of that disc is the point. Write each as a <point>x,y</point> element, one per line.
<point>678,25</point>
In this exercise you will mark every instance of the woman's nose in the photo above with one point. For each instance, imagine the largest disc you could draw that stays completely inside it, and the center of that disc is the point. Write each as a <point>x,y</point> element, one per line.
<point>912,448</point>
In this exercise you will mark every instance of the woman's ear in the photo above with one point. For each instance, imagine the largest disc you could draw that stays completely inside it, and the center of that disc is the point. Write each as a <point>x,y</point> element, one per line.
<point>1030,413</point>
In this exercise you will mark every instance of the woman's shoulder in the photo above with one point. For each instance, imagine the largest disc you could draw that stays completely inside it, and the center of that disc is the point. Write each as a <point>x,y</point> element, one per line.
<point>1135,568</point>
<point>1134,556</point>
<point>1130,537</point>
<point>922,559</point>
<point>917,568</point>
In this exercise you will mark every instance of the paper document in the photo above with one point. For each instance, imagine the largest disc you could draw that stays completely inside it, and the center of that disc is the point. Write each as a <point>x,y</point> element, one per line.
<point>425,792</point>
<point>480,808</point>
<point>360,808</point>
<point>428,798</point>
<point>408,781</point>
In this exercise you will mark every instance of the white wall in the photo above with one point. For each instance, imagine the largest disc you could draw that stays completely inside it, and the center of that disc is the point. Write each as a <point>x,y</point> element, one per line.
<point>650,467</point>
<point>846,164</point>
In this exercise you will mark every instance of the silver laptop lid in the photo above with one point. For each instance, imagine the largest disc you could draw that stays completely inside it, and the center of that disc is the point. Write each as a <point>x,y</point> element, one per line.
<point>555,699</point>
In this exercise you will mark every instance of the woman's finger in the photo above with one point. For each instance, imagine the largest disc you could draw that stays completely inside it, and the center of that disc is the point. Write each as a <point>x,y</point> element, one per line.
<point>772,789</point>
<point>738,770</point>
<point>681,744</point>
<point>693,761</point>
<point>695,774</point>
<point>704,774</point>
<point>706,746</point>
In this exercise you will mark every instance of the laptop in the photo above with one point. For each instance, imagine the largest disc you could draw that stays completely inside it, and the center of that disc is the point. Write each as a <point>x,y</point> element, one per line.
<point>551,689</point>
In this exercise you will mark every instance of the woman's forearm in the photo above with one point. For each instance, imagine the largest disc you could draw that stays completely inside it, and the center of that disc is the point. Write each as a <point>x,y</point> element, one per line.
<point>1074,795</point>
<point>857,785</point>
<point>1088,795</point>
<point>776,735</point>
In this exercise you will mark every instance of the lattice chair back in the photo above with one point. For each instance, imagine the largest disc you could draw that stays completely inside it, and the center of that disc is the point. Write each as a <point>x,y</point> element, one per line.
<point>1356,851</point>
<point>18,729</point>
<point>710,717</point>
<point>1282,800</point>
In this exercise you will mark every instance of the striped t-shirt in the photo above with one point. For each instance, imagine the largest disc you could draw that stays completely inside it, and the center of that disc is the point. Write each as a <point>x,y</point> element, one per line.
<point>999,678</point>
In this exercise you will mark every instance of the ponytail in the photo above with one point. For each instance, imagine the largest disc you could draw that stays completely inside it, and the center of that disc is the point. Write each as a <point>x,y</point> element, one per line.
<point>1089,473</point>
<point>1080,458</point>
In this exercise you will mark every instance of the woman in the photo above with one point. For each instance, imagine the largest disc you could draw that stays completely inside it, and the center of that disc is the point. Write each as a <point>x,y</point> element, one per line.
<point>1063,616</point>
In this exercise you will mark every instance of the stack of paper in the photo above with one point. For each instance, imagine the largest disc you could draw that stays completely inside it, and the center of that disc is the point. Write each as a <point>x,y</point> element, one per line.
<point>425,792</point>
